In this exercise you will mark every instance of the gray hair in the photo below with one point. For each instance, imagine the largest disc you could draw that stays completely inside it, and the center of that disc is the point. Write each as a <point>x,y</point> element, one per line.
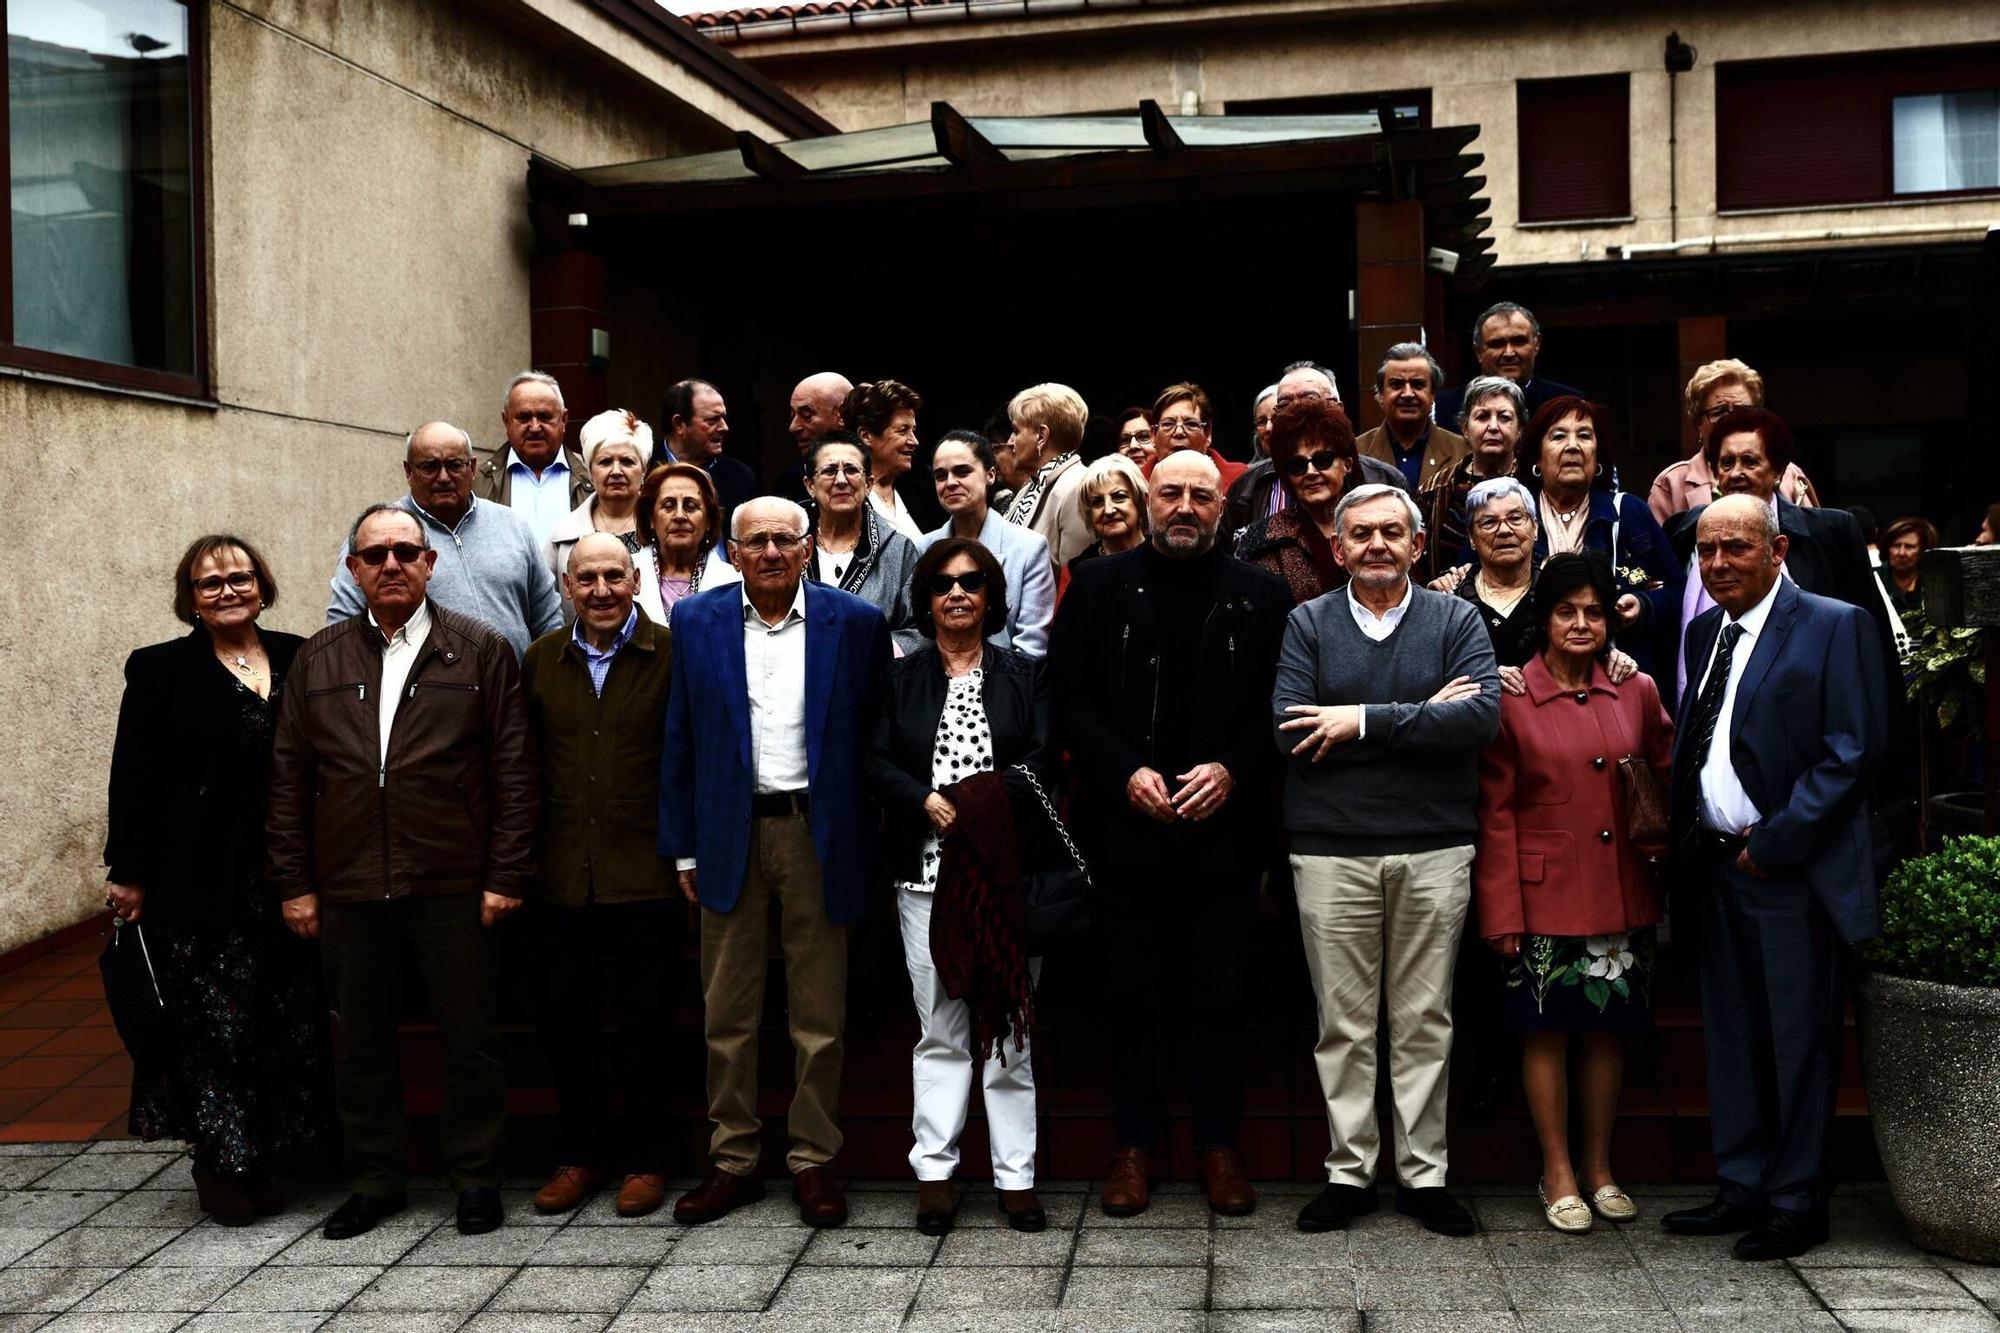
<point>1482,387</point>
<point>1375,490</point>
<point>1111,466</point>
<point>795,510</point>
<point>1498,309</point>
<point>1268,391</point>
<point>541,377</point>
<point>1409,352</point>
<point>1317,369</point>
<point>354,528</point>
<point>410,440</point>
<point>1494,489</point>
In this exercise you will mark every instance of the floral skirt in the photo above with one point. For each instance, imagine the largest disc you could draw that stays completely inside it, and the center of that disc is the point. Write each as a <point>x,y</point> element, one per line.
<point>1575,983</point>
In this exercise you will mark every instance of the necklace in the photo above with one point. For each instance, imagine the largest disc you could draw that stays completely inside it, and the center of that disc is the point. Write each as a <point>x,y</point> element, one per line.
<point>1564,530</point>
<point>1502,600</point>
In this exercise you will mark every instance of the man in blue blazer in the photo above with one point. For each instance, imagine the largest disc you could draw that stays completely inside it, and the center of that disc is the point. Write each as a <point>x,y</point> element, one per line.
<point>1774,763</point>
<point>760,799</point>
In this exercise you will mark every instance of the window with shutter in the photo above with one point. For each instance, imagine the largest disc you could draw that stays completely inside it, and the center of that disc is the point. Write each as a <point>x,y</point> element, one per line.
<point>1575,148</point>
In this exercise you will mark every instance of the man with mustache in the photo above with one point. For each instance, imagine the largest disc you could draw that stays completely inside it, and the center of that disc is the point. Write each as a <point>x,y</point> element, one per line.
<point>1405,384</point>
<point>1507,341</point>
<point>1160,665</point>
<point>1385,692</point>
<point>536,474</point>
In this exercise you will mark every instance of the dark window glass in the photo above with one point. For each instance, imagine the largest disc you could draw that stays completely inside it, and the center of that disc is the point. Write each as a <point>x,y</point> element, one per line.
<point>1575,148</point>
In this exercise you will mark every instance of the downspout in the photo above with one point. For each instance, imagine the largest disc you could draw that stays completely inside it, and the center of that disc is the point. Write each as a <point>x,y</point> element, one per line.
<point>1713,243</point>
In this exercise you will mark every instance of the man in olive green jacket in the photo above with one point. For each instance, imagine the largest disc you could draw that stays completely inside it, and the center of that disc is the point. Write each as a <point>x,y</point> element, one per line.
<point>597,699</point>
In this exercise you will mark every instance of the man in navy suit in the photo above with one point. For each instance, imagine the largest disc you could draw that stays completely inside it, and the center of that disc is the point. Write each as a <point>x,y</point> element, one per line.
<point>760,800</point>
<point>1773,766</point>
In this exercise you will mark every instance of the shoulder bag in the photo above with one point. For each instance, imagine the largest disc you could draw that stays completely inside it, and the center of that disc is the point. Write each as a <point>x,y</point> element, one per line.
<point>1058,897</point>
<point>132,990</point>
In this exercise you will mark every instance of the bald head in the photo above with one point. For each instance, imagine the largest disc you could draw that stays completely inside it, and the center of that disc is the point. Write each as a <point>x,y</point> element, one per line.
<point>447,439</point>
<point>1306,382</point>
<point>1739,551</point>
<point>1185,504</point>
<point>599,545</point>
<point>600,585</point>
<point>816,406</point>
<point>437,464</point>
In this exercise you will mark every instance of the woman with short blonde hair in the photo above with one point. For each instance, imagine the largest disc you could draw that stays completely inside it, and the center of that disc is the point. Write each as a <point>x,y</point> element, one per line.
<point>1711,392</point>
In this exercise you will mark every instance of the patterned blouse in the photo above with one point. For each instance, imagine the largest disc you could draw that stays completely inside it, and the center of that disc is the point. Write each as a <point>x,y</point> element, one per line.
<point>964,747</point>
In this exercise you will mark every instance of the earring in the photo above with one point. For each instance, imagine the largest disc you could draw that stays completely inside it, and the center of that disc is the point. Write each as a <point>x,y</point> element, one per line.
<point>1535,470</point>
<point>1599,472</point>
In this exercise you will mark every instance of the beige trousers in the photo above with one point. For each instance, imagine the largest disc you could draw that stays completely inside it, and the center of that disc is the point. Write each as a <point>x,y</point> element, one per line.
<point>1382,928</point>
<point>734,946</point>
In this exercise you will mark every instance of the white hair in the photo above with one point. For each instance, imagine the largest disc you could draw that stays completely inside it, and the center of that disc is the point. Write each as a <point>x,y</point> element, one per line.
<point>1112,466</point>
<point>1375,490</point>
<point>778,502</point>
<point>541,377</point>
<point>1269,391</point>
<point>616,426</point>
<point>1498,488</point>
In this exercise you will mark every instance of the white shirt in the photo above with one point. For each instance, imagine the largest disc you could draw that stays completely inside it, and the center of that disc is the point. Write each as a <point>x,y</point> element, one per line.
<point>1725,806</point>
<point>399,654</point>
<point>543,500</point>
<point>774,667</point>
<point>1377,628</point>
<point>1694,601</point>
<point>896,513</point>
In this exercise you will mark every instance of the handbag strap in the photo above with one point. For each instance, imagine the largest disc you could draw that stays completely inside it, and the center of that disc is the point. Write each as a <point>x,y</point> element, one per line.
<point>1049,809</point>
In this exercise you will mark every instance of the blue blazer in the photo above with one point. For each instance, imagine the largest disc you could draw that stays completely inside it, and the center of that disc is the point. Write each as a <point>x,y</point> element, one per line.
<point>1806,742</point>
<point>1024,558</point>
<point>706,780</point>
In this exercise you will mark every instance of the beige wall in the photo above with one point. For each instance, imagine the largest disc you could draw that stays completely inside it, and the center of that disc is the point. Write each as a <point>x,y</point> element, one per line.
<point>368,265</point>
<point>1470,56</point>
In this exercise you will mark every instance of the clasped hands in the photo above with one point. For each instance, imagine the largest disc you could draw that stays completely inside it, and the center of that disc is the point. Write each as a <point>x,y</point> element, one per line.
<point>1328,725</point>
<point>1203,790</point>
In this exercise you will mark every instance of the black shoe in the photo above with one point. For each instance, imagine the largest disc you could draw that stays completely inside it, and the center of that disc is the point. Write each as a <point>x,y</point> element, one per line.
<point>1336,1206</point>
<point>1023,1211</point>
<point>1718,1217</point>
<point>478,1211</point>
<point>1785,1233</point>
<point>1436,1209</point>
<point>359,1215</point>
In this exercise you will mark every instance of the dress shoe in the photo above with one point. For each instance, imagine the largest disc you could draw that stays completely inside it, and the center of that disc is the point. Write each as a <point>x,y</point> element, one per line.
<point>359,1215</point>
<point>1436,1209</point>
<point>937,1206</point>
<point>1718,1217</point>
<point>818,1196</point>
<point>478,1210</point>
<point>1128,1190</point>
<point>1567,1212</point>
<point>1024,1211</point>
<point>1230,1193</point>
<point>641,1194</point>
<point>1336,1206</point>
<point>1785,1233</point>
<point>719,1192</point>
<point>1613,1204</point>
<point>568,1187</point>
<point>225,1197</point>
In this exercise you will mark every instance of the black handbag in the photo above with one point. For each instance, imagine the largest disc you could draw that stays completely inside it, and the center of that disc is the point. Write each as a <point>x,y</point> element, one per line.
<point>1058,897</point>
<point>132,990</point>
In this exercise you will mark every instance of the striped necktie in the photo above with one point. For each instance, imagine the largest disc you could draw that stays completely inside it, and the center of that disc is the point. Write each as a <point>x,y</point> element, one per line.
<point>1708,712</point>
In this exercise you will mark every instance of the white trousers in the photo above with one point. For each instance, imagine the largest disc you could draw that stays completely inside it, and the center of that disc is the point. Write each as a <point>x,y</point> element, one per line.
<point>1382,928</point>
<point>941,1070</point>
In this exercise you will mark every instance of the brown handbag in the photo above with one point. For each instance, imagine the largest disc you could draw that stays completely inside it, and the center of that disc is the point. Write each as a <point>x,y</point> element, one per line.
<point>1647,808</point>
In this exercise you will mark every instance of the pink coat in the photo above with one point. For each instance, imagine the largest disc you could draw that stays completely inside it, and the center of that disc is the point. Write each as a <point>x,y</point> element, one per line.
<point>1688,484</point>
<point>1553,857</point>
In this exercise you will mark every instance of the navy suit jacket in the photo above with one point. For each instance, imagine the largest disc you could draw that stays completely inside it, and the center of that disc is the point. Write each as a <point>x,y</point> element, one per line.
<point>706,780</point>
<point>1806,741</point>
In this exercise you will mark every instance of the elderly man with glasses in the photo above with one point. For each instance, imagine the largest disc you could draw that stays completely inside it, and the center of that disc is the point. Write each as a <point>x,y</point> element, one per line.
<point>488,561</point>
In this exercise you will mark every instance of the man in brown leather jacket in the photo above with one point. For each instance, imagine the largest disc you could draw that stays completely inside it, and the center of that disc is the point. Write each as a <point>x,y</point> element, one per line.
<point>401,826</point>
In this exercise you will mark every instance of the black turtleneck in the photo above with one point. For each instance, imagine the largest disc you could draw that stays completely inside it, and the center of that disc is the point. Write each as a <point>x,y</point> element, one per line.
<point>1183,593</point>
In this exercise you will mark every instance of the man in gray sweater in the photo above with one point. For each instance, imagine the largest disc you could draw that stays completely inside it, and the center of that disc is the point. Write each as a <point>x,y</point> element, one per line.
<point>1385,693</point>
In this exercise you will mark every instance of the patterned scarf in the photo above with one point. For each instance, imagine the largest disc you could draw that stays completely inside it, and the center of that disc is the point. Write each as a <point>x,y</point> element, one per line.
<point>979,922</point>
<point>1029,498</point>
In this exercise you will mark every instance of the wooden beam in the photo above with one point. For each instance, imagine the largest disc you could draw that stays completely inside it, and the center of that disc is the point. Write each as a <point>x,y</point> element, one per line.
<point>766,160</point>
<point>959,143</point>
<point>1160,133</point>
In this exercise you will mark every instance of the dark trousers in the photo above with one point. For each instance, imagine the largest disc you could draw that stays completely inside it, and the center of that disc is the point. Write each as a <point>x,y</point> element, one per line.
<point>633,945</point>
<point>1176,947</point>
<point>367,949</point>
<point>1770,999</point>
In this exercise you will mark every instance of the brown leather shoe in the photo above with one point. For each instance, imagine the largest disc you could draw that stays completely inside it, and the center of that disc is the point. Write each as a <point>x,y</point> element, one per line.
<point>1023,1211</point>
<point>641,1194</point>
<point>1229,1191</point>
<point>937,1206</point>
<point>818,1196</point>
<point>1128,1191</point>
<point>719,1192</point>
<point>568,1187</point>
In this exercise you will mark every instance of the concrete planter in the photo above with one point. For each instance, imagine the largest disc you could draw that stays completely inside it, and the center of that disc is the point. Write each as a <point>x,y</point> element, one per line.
<point>1931,1056</point>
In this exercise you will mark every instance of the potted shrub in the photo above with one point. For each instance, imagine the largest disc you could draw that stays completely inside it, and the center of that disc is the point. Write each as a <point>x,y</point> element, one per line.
<point>1944,671</point>
<point>1929,1023</point>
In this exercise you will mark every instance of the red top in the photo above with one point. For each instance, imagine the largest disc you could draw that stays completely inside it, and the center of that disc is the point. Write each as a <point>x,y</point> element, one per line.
<point>1553,858</point>
<point>1228,467</point>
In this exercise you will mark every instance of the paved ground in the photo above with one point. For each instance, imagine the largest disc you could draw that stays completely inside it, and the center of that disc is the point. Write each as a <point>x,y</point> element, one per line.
<point>107,1238</point>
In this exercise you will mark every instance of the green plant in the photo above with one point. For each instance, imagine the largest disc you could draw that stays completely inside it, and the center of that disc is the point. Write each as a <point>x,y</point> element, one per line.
<point>1945,668</point>
<point>1941,916</point>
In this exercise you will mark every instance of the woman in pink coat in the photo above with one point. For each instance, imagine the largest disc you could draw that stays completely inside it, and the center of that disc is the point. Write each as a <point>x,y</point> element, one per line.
<point>1563,892</point>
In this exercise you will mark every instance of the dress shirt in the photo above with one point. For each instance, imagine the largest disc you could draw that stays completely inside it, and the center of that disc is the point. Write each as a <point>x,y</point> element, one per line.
<point>896,514</point>
<point>399,655</point>
<point>1377,628</point>
<point>774,667</point>
<point>600,662</point>
<point>1724,805</point>
<point>1694,601</point>
<point>1410,464</point>
<point>543,500</point>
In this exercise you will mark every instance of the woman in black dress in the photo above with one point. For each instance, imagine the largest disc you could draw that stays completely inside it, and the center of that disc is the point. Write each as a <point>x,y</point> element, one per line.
<point>244,1074</point>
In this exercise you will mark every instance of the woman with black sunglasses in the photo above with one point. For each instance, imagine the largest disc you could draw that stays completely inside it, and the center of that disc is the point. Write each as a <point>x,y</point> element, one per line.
<point>1312,450</point>
<point>952,722</point>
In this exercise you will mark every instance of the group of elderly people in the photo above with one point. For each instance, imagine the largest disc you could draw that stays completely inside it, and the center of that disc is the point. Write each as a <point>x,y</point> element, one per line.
<point>1427,672</point>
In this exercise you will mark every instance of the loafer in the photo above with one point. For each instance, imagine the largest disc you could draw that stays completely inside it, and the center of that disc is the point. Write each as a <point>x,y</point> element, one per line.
<point>1230,1193</point>
<point>1336,1206</point>
<point>566,1188</point>
<point>1614,1204</point>
<point>818,1196</point>
<point>1569,1213</point>
<point>1785,1233</point>
<point>641,1194</point>
<point>1717,1217</point>
<point>1433,1206</point>
<point>479,1210</point>
<point>359,1215</point>
<point>1128,1189</point>
<point>719,1193</point>
<point>937,1207</point>
<point>1023,1210</point>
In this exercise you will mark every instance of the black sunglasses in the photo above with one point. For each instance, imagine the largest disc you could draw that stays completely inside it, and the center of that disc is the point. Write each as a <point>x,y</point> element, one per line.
<point>1295,466</point>
<point>972,581</point>
<point>406,553</point>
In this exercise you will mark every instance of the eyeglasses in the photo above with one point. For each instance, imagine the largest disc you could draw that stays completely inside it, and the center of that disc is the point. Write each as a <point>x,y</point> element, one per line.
<point>1721,410</point>
<point>834,471</point>
<point>1489,524</point>
<point>431,467</point>
<point>406,553</point>
<point>1295,466</point>
<point>972,581</point>
<point>783,542</point>
<point>1183,426</point>
<point>1135,437</point>
<point>242,582</point>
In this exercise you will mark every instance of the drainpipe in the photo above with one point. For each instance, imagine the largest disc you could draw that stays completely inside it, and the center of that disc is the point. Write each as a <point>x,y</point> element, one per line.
<point>1680,59</point>
<point>1714,243</point>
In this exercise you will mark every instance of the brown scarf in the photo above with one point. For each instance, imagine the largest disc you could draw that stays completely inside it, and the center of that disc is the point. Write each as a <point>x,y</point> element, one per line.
<point>979,922</point>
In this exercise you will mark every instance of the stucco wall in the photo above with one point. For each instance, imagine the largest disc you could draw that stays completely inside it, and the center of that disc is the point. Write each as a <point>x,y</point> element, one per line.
<point>368,267</point>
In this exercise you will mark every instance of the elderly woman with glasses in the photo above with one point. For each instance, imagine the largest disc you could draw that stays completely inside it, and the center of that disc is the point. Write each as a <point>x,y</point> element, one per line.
<point>853,547</point>
<point>1312,449</point>
<point>241,1072</point>
<point>1491,416</point>
<point>1182,419</point>
<point>1712,392</point>
<point>1134,437</point>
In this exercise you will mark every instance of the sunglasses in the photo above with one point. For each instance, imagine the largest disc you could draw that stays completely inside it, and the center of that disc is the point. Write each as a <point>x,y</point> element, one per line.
<point>971,581</point>
<point>1295,466</point>
<point>406,553</point>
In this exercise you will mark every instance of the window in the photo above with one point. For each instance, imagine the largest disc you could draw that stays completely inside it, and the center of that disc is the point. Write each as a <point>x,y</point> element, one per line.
<point>1575,149</point>
<point>1946,141</point>
<point>102,254</point>
<point>1408,110</point>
